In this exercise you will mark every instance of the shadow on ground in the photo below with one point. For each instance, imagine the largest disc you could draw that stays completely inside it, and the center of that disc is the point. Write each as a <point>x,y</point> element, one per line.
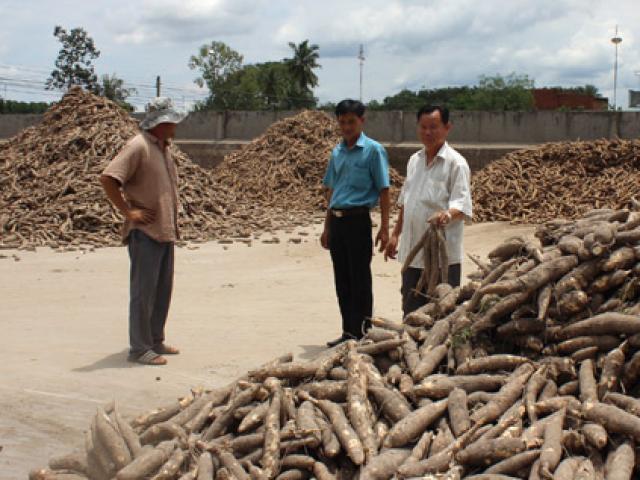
<point>311,351</point>
<point>115,360</point>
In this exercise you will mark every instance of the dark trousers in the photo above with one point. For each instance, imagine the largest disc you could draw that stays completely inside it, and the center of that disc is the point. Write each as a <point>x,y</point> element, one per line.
<point>150,291</point>
<point>412,301</point>
<point>351,247</point>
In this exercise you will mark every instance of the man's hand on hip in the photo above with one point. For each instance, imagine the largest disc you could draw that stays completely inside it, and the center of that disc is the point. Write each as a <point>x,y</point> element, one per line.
<point>142,216</point>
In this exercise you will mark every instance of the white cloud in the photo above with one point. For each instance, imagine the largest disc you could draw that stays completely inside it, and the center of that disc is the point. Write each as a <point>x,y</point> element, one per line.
<point>179,21</point>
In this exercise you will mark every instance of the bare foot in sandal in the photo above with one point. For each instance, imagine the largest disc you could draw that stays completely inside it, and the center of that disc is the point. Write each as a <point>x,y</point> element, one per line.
<point>164,349</point>
<point>149,358</point>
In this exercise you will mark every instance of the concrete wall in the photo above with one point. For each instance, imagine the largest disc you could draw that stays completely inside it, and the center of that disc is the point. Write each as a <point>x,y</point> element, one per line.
<point>396,127</point>
<point>469,127</point>
<point>12,123</point>
<point>209,153</point>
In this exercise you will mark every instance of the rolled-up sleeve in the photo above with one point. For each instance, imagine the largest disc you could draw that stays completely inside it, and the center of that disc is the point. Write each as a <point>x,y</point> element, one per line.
<point>401,196</point>
<point>329,176</point>
<point>380,168</point>
<point>460,197</point>
<point>125,163</point>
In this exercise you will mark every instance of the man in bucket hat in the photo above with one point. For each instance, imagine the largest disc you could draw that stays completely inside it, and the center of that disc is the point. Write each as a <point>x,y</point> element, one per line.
<point>142,183</point>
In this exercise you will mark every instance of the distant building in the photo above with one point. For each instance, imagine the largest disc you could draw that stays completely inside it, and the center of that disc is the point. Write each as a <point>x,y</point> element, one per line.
<point>555,99</point>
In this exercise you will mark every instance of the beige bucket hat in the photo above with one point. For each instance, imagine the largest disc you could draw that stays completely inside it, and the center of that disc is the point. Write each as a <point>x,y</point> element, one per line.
<point>161,110</point>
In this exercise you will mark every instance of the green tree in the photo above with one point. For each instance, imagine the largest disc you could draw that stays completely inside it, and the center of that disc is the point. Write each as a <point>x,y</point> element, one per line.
<point>511,92</point>
<point>592,90</point>
<point>12,106</point>
<point>301,65</point>
<point>113,88</point>
<point>74,63</point>
<point>269,85</point>
<point>587,89</point>
<point>331,106</point>
<point>456,98</point>
<point>216,62</point>
<point>274,81</point>
<point>403,100</point>
<point>240,90</point>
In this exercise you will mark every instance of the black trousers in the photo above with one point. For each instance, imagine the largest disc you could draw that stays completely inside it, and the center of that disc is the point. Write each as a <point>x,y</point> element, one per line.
<point>411,301</point>
<point>351,247</point>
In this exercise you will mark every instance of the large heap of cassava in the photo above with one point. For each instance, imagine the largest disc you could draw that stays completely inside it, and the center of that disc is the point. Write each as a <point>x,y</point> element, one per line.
<point>284,167</point>
<point>50,194</point>
<point>558,180</point>
<point>528,371</point>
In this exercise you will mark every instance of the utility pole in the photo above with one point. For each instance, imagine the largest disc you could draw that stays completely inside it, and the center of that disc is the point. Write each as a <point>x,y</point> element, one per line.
<point>158,86</point>
<point>361,58</point>
<point>616,40</point>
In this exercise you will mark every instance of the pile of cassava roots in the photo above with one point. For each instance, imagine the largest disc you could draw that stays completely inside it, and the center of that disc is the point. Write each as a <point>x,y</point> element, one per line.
<point>529,371</point>
<point>50,194</point>
<point>557,180</point>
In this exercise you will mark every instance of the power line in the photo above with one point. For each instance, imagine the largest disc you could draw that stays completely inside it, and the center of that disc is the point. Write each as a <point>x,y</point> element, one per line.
<point>48,71</point>
<point>26,73</point>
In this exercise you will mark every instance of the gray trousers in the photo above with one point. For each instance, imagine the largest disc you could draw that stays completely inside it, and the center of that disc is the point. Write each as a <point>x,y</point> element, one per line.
<point>150,291</point>
<point>410,277</point>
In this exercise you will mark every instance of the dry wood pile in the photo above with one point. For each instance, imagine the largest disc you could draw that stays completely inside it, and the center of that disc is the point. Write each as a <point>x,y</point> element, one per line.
<point>529,371</point>
<point>283,168</point>
<point>557,180</point>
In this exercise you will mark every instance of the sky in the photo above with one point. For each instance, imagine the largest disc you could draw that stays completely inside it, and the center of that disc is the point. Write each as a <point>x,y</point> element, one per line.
<point>407,43</point>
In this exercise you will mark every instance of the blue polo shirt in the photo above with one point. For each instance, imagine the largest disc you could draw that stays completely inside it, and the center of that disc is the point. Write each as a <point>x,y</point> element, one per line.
<point>357,175</point>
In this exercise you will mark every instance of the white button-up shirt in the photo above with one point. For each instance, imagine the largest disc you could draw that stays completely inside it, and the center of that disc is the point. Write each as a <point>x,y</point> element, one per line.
<point>445,184</point>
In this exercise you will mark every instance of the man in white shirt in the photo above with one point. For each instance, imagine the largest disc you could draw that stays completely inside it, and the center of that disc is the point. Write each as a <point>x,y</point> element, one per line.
<point>437,189</point>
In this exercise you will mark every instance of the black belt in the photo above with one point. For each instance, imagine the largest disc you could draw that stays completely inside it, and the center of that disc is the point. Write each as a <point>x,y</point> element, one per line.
<point>349,212</point>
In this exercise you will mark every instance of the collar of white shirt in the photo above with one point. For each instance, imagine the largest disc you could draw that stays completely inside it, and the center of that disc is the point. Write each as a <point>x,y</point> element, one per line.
<point>442,152</point>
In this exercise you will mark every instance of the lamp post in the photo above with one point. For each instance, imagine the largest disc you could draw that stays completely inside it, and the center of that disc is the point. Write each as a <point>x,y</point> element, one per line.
<point>616,40</point>
<point>361,58</point>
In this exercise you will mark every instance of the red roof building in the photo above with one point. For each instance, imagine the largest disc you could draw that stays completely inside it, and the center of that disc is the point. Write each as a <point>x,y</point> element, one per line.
<point>555,98</point>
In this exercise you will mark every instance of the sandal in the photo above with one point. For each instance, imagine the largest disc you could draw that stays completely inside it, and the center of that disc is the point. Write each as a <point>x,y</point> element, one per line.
<point>164,349</point>
<point>149,358</point>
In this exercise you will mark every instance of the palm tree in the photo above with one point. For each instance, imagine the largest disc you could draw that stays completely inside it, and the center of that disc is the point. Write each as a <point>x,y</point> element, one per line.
<point>301,65</point>
<point>113,88</point>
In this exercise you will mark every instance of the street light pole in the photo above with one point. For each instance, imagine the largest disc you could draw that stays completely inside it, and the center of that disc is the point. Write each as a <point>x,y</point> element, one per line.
<point>616,40</point>
<point>361,58</point>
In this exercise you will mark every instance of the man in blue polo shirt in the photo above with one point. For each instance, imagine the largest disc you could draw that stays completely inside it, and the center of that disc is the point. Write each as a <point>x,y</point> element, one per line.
<point>356,178</point>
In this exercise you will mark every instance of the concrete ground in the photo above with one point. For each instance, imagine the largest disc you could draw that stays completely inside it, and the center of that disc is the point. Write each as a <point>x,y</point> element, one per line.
<point>64,328</point>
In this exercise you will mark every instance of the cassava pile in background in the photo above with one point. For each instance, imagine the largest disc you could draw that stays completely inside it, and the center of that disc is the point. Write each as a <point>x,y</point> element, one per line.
<point>529,371</point>
<point>284,167</point>
<point>557,180</point>
<point>50,194</point>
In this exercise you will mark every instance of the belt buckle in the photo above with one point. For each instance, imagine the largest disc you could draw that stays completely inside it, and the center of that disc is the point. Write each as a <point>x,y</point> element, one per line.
<point>338,213</point>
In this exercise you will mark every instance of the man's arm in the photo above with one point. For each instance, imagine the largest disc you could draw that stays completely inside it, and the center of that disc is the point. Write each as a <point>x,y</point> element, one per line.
<point>460,198</point>
<point>392,247</point>
<point>446,216</point>
<point>324,238</point>
<point>383,234</point>
<point>137,215</point>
